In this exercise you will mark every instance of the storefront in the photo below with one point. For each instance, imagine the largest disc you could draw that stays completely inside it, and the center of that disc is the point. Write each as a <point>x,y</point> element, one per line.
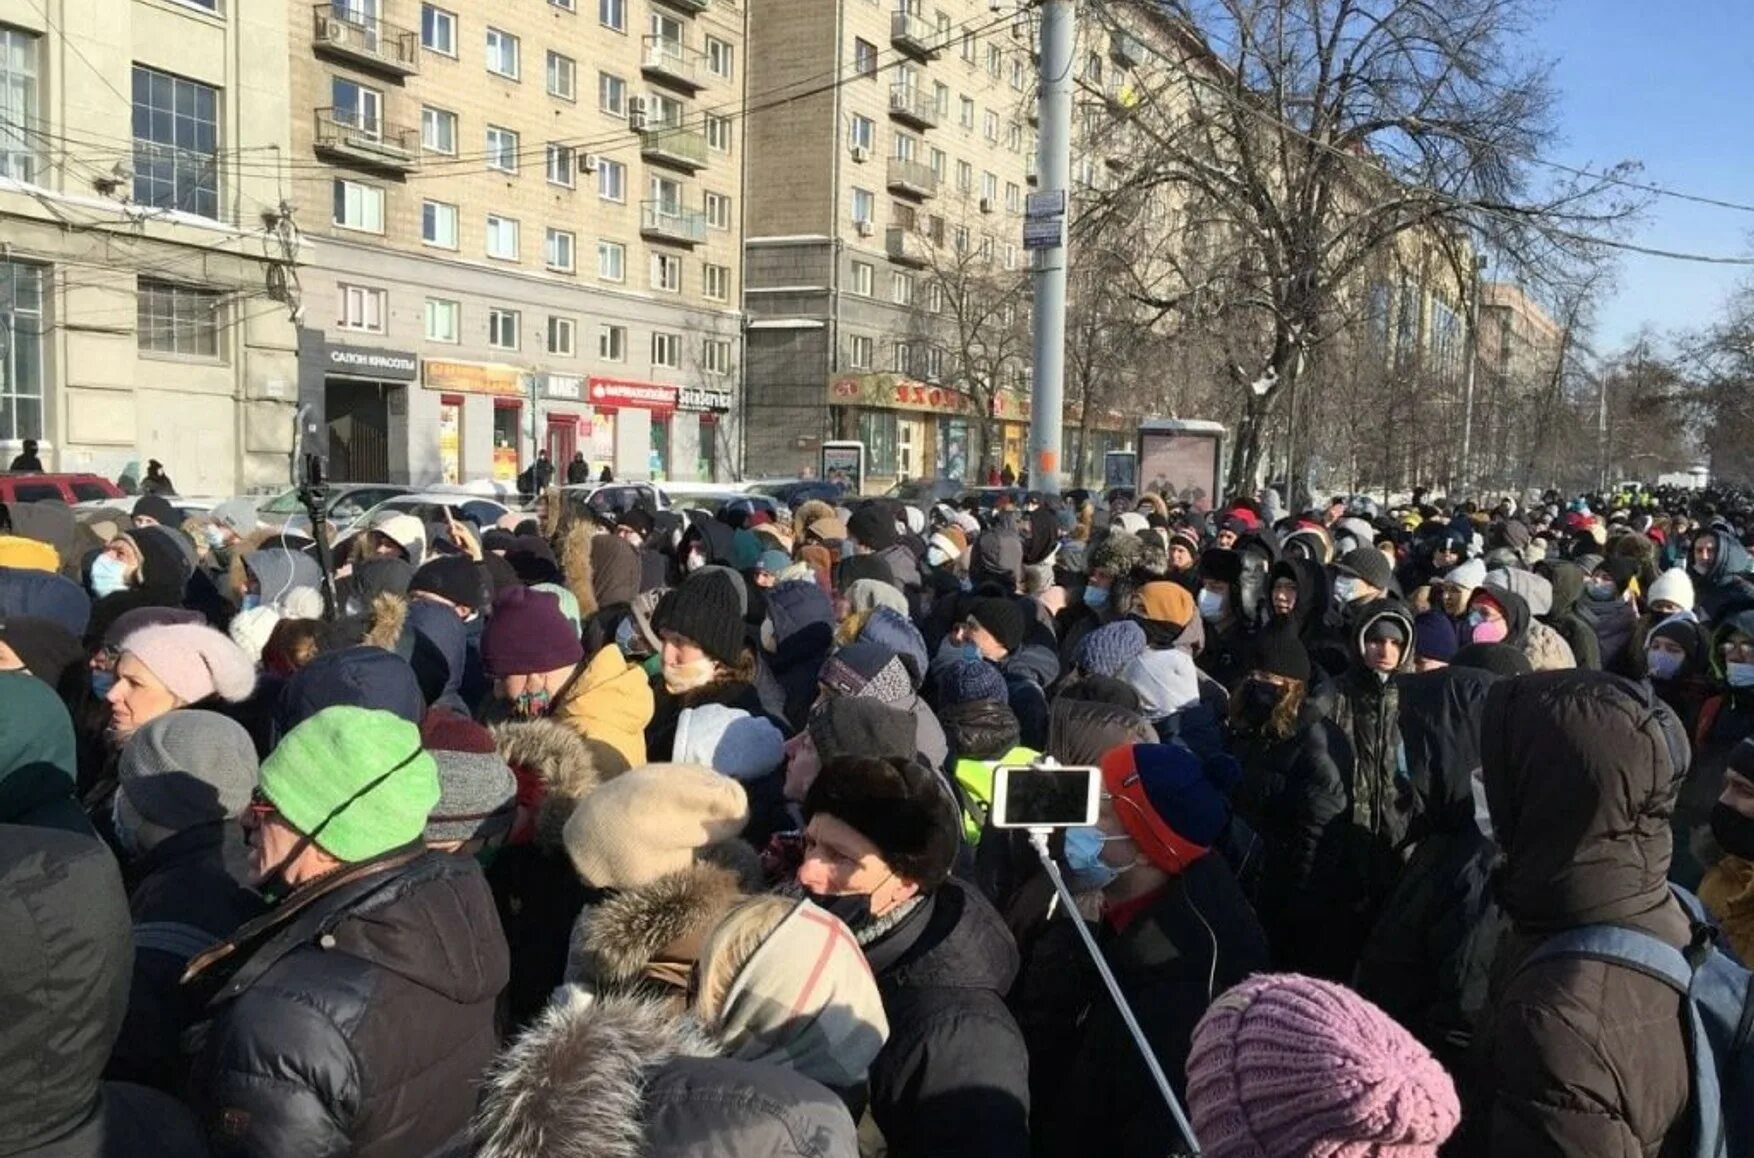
<point>480,421</point>
<point>1011,410</point>
<point>914,430</point>
<point>365,409</point>
<point>630,426</point>
<point>704,410</point>
<point>566,420</point>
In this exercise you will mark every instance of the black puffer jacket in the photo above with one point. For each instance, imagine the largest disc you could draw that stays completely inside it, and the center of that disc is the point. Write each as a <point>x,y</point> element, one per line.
<point>355,1019</point>
<point>1367,709</point>
<point>953,1078</point>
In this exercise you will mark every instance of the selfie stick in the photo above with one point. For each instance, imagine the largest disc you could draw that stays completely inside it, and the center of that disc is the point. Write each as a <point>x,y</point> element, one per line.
<point>1038,839</point>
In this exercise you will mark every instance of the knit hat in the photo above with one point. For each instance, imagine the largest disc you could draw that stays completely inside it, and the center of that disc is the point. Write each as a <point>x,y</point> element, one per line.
<point>1132,522</point>
<point>355,780</point>
<point>854,568</point>
<point>235,515</point>
<point>704,610</point>
<point>187,768</point>
<point>360,676</point>
<point>157,508</point>
<point>533,560</point>
<point>1468,575</point>
<point>845,726</point>
<point>1435,636</point>
<point>1279,651</point>
<point>1001,618</point>
<point>869,594</point>
<point>250,630</point>
<point>728,740</point>
<point>1672,586</point>
<point>1166,601</point>
<point>1622,570</point>
<point>968,680</point>
<point>652,821</point>
<point>454,578</point>
<point>138,618</point>
<point>795,605</point>
<point>478,793</point>
<point>28,554</point>
<point>194,662</point>
<point>1166,802</point>
<point>406,531</point>
<point>1117,553</point>
<point>872,527</point>
<point>772,562</point>
<point>1112,647</point>
<point>528,633</point>
<point>1285,1066</point>
<point>869,670</point>
<point>1368,564</point>
<point>901,806</point>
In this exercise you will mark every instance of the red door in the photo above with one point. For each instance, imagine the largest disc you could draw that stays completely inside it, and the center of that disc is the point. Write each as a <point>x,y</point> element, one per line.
<point>563,433</point>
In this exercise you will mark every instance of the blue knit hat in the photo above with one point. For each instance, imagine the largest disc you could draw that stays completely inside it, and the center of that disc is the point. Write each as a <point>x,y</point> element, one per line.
<point>1107,650</point>
<point>968,680</point>
<point>1435,636</point>
<point>795,605</point>
<point>1189,795</point>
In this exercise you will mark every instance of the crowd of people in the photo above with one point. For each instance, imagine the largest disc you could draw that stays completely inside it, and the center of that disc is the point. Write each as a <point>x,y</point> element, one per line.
<point>668,834</point>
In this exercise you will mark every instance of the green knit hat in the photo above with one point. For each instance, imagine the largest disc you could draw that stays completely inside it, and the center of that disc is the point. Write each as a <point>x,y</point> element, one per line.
<point>367,764</point>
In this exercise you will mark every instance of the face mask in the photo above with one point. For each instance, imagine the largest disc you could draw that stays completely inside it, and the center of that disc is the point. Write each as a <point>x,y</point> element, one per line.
<point>1084,857</point>
<point>108,575</point>
<point>530,705</point>
<point>1599,590</point>
<point>1740,675</point>
<point>215,536</point>
<point>1345,590</point>
<point>848,548</point>
<point>684,677</point>
<point>1733,831</point>
<point>624,634</point>
<point>1096,597</point>
<point>1211,604</point>
<point>102,682</point>
<point>936,557</point>
<point>853,909</point>
<point>971,653</point>
<point>1662,664</point>
<point>1259,698</point>
<point>251,601</point>
<point>1482,630</point>
<point>694,562</point>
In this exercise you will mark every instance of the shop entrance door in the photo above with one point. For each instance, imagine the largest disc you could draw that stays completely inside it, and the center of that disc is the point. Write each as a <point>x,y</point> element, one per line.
<point>358,415</point>
<point>563,440</point>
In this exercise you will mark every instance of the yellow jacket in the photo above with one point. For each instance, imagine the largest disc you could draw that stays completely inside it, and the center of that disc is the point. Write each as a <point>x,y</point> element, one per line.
<point>1728,893</point>
<point>611,702</point>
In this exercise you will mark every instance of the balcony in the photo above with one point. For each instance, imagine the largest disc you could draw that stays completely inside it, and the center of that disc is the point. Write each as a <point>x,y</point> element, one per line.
<point>912,179</point>
<point>905,247</point>
<point>915,35</point>
<point>692,7</point>
<point>661,222</point>
<point>344,135</point>
<point>347,34</point>
<point>672,62</point>
<point>1032,169</point>
<point>675,146</point>
<point>910,106</point>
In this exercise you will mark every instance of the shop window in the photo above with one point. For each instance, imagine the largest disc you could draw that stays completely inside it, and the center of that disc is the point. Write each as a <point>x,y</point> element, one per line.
<point>877,431</point>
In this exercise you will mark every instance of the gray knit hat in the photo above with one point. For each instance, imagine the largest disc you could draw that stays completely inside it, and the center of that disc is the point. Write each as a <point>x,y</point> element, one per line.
<point>187,768</point>
<point>478,794</point>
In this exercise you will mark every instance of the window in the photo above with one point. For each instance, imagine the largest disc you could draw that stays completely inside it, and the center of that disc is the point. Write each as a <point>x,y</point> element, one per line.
<point>565,5</point>
<point>562,162</point>
<point>557,249</point>
<point>1014,137</point>
<point>990,188</point>
<point>438,224</point>
<point>718,133</point>
<point>864,58</point>
<point>935,297</point>
<point>612,94</point>
<point>941,99</point>
<point>718,211</point>
<point>1010,256</point>
<point>859,352</point>
<point>362,308</point>
<point>502,328</point>
<point>1093,68</point>
<point>611,180</point>
<point>667,350</point>
<point>502,53</point>
<point>718,57</point>
<point>667,196</point>
<point>964,177</point>
<point>905,146</point>
<point>959,239</point>
<point>863,134</point>
<point>560,337</point>
<point>862,278</point>
<point>612,343</point>
<point>20,153</point>
<point>990,126</point>
<point>561,77</point>
<point>611,261</point>
<point>932,362</point>
<point>715,281</point>
<point>21,359</point>
<point>502,149</point>
<point>502,237</point>
<point>968,53</point>
<point>1019,74</point>
<point>995,61</point>
<point>937,164</point>
<point>902,289</point>
<point>1013,198</point>
<point>442,320</point>
<point>667,272</point>
<point>438,130</point>
<point>177,319</point>
<point>438,30</point>
<point>965,113</point>
<point>901,358</point>
<point>176,143</point>
<point>612,14</point>
<point>864,205</point>
<point>359,206</point>
<point>715,356</point>
<point>357,107</point>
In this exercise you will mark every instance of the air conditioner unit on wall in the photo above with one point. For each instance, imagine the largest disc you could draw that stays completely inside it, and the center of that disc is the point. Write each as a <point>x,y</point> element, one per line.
<point>861,154</point>
<point>986,204</point>
<point>866,229</point>
<point>587,162</point>
<point>636,113</point>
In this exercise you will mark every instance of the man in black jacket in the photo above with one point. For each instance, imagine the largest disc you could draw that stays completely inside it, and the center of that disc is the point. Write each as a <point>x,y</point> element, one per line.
<point>953,1078</point>
<point>358,1015</point>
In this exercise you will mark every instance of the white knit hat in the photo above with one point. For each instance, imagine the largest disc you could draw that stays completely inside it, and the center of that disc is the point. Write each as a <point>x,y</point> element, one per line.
<point>1672,586</point>
<point>1467,575</point>
<point>250,630</point>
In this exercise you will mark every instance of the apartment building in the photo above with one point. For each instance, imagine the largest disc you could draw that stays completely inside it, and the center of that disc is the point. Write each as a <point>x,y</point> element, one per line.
<point>890,145</point>
<point>144,310</point>
<point>522,230</point>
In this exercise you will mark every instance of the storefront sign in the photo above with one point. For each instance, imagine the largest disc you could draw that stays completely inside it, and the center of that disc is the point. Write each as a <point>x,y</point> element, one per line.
<point>567,386</point>
<point>691,398</point>
<point>367,362</point>
<point>893,392</point>
<point>1011,406</point>
<point>644,395</point>
<point>473,377</point>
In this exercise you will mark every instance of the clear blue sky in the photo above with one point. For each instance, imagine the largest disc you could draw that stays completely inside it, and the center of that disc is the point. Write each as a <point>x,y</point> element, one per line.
<point>1670,85</point>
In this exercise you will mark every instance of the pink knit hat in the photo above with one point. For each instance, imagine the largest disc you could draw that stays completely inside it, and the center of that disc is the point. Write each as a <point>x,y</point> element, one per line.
<point>1286,1066</point>
<point>194,661</point>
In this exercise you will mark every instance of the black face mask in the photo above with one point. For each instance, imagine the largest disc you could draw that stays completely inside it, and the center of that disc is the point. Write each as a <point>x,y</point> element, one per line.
<point>1733,831</point>
<point>1259,698</point>
<point>853,909</point>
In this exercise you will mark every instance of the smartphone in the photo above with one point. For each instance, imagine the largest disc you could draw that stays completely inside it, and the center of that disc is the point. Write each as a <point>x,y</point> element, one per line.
<point>1031,796</point>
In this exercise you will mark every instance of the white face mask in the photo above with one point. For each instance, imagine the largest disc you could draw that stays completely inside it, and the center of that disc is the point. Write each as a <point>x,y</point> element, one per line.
<point>685,677</point>
<point>1211,603</point>
<point>1662,664</point>
<point>1345,589</point>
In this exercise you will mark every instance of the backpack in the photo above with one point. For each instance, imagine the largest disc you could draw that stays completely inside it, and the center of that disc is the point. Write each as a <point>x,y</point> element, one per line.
<point>1719,1006</point>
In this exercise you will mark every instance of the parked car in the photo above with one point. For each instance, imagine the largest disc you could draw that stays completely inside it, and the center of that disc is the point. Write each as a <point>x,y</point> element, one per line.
<point>924,492</point>
<point>188,506</point>
<point>429,507</point>
<point>795,492</point>
<point>988,497</point>
<point>343,503</point>
<point>616,497</point>
<point>721,500</point>
<point>68,488</point>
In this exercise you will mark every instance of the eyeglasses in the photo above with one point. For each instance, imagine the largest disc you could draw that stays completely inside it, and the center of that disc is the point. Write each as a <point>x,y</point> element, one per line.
<point>259,809</point>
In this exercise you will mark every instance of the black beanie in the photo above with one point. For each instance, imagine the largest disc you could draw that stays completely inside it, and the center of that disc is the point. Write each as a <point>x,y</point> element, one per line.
<point>872,526</point>
<point>1002,618</point>
<point>454,578</point>
<point>1222,564</point>
<point>901,806</point>
<point>158,509</point>
<point>706,610</point>
<point>1279,651</point>
<point>856,567</point>
<point>862,726</point>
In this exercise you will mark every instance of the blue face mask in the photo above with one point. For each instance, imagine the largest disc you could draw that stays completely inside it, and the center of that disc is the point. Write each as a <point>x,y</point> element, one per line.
<point>252,601</point>
<point>971,653</point>
<point>1095,596</point>
<point>215,536</point>
<point>108,575</point>
<point>1084,857</point>
<point>102,682</point>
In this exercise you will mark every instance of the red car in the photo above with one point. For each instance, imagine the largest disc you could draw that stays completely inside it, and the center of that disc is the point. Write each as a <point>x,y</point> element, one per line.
<point>69,488</point>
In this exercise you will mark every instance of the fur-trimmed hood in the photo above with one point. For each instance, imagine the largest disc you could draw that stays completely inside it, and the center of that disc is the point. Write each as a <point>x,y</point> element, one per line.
<point>385,621</point>
<point>575,564</point>
<point>807,513</point>
<point>556,768</point>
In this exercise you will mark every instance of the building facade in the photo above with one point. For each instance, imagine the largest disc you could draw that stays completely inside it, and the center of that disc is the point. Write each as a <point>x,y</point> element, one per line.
<point>145,250</point>
<point>522,230</point>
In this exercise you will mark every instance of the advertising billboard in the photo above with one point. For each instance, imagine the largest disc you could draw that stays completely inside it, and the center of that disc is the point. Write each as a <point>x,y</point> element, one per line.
<point>1181,460</point>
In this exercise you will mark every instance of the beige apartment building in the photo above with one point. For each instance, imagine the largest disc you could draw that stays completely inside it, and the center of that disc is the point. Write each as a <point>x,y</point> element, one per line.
<point>144,252</point>
<point>521,228</point>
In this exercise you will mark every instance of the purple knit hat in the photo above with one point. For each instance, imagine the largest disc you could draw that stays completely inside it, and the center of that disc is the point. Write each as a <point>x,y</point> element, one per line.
<point>1285,1066</point>
<point>527,633</point>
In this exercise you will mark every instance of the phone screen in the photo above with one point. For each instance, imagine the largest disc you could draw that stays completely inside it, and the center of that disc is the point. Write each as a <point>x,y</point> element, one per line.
<point>1046,797</point>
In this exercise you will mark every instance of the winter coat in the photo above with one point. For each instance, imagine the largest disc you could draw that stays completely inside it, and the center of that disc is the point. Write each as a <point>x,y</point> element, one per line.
<point>1582,1057</point>
<point>623,1078</point>
<point>667,708</point>
<point>786,678</point>
<point>1379,794</point>
<point>982,735</point>
<point>1728,893</point>
<point>64,989</point>
<point>1227,653</point>
<point>186,895</point>
<point>611,701</point>
<point>38,764</point>
<point>1615,622</point>
<point>953,1078</point>
<point>1567,580</point>
<point>1727,587</point>
<point>355,1019</point>
<point>43,595</point>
